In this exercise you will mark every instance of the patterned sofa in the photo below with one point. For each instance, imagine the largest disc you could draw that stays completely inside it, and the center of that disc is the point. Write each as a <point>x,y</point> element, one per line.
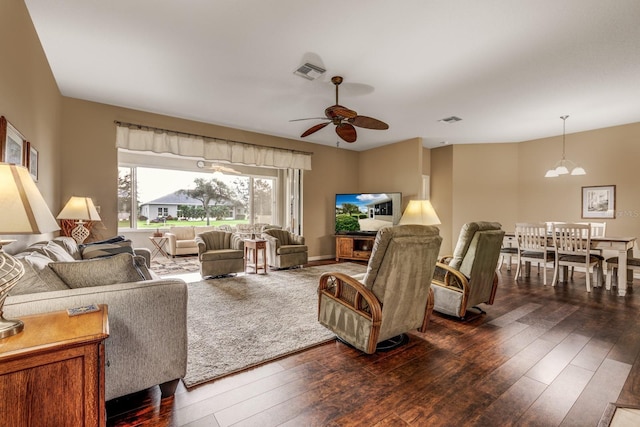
<point>147,342</point>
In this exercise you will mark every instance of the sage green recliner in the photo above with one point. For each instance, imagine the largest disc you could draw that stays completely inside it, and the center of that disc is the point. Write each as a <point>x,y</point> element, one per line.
<point>469,278</point>
<point>391,298</point>
<point>285,249</point>
<point>220,253</point>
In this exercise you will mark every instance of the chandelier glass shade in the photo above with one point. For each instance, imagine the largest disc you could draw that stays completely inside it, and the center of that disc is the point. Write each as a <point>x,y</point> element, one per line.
<point>564,166</point>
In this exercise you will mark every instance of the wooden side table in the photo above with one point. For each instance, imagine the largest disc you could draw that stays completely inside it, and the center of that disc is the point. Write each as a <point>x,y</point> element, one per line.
<point>158,246</point>
<point>252,248</point>
<point>52,373</point>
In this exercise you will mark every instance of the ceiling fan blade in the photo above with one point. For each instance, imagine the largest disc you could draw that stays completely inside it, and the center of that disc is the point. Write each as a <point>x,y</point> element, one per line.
<point>339,111</point>
<point>313,129</point>
<point>224,169</point>
<point>346,132</point>
<point>309,118</point>
<point>368,123</point>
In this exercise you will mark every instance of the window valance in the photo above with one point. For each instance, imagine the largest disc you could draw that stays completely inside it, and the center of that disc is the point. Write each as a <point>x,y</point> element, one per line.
<point>142,138</point>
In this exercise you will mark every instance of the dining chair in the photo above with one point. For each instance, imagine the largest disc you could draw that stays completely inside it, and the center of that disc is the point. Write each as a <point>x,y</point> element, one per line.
<point>508,252</point>
<point>633,264</point>
<point>598,229</point>
<point>533,248</point>
<point>573,249</point>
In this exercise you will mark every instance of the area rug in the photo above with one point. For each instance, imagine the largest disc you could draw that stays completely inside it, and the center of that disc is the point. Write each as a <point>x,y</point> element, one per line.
<point>240,322</point>
<point>181,264</point>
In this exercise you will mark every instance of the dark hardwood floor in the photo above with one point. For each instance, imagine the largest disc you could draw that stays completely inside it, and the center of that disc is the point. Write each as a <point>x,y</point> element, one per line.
<point>541,356</point>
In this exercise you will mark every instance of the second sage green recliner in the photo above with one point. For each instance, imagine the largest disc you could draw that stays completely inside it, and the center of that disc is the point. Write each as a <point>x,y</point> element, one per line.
<point>220,253</point>
<point>392,297</point>
<point>285,248</point>
<point>469,278</point>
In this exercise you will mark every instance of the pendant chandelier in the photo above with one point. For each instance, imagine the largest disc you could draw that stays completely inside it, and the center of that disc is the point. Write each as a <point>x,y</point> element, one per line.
<point>564,166</point>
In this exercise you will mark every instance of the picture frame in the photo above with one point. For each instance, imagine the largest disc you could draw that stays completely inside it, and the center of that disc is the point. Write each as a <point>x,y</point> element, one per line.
<point>32,163</point>
<point>12,142</point>
<point>599,201</point>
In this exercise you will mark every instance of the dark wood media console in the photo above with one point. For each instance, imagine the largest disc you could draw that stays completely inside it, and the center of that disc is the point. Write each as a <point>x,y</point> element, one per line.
<point>354,247</point>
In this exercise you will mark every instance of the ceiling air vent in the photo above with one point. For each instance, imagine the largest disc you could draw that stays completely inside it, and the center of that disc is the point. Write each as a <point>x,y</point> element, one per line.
<point>451,119</point>
<point>309,71</point>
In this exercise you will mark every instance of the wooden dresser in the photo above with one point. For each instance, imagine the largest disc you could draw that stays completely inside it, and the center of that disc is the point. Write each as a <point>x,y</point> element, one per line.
<point>52,373</point>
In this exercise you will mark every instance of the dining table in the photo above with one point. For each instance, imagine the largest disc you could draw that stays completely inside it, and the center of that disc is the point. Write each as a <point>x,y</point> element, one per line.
<point>622,245</point>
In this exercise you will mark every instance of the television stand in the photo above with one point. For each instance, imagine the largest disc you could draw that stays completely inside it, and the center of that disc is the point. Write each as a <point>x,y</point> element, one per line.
<point>354,247</point>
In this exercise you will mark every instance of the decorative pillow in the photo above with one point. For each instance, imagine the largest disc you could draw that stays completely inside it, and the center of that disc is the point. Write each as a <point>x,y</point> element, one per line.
<point>38,277</point>
<point>99,242</point>
<point>57,252</point>
<point>106,249</point>
<point>120,268</point>
<point>69,245</point>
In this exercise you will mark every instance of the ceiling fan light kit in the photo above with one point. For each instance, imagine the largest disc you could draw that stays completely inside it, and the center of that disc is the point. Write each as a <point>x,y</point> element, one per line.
<point>345,119</point>
<point>218,169</point>
<point>564,166</point>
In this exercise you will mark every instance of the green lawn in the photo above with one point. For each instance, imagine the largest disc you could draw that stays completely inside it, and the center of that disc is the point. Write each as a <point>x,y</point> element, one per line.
<point>175,223</point>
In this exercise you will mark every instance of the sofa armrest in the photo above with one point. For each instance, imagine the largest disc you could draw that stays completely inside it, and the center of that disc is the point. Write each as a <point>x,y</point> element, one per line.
<point>147,342</point>
<point>273,244</point>
<point>202,246</point>
<point>145,253</point>
<point>237,242</point>
<point>171,247</point>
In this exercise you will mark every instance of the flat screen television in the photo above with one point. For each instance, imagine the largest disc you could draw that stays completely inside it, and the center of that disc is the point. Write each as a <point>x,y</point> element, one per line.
<point>366,213</point>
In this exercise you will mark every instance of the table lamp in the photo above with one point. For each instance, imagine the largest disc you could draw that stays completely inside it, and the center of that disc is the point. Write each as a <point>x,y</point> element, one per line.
<point>79,209</point>
<point>420,212</point>
<point>23,211</point>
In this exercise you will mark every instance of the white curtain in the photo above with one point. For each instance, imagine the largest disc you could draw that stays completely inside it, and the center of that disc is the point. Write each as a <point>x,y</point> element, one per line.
<point>136,139</point>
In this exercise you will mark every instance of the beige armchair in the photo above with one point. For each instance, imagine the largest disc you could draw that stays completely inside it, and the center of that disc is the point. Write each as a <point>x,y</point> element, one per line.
<point>391,298</point>
<point>468,278</point>
<point>220,253</point>
<point>285,249</point>
<point>181,239</point>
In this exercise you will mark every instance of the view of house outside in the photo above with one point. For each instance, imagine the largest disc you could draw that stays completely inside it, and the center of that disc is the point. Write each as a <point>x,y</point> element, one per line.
<point>170,197</point>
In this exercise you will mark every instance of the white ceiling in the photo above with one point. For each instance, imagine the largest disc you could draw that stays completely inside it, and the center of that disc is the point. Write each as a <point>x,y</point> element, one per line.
<point>508,68</point>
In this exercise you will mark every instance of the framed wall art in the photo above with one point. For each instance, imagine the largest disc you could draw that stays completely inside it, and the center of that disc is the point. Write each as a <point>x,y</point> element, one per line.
<point>599,201</point>
<point>32,162</point>
<point>13,144</point>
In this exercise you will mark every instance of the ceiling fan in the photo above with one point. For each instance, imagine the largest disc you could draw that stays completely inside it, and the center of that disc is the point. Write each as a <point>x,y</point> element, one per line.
<point>344,119</point>
<point>216,168</point>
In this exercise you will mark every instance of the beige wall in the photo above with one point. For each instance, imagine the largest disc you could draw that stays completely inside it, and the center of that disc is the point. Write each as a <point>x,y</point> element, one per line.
<point>485,184</point>
<point>610,157</point>
<point>393,168</point>
<point>442,194</point>
<point>505,182</point>
<point>30,100</point>
<point>90,160</point>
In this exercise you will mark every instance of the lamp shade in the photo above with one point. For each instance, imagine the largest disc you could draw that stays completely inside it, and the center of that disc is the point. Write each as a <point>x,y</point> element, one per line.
<point>23,210</point>
<point>79,209</point>
<point>420,212</point>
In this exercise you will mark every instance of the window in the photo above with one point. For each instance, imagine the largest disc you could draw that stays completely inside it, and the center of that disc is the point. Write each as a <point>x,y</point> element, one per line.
<point>148,196</point>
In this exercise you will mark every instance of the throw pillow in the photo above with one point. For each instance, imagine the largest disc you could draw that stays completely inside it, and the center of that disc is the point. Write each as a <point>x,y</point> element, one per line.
<point>99,242</point>
<point>57,252</point>
<point>119,268</point>
<point>106,249</point>
<point>38,277</point>
<point>69,245</point>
